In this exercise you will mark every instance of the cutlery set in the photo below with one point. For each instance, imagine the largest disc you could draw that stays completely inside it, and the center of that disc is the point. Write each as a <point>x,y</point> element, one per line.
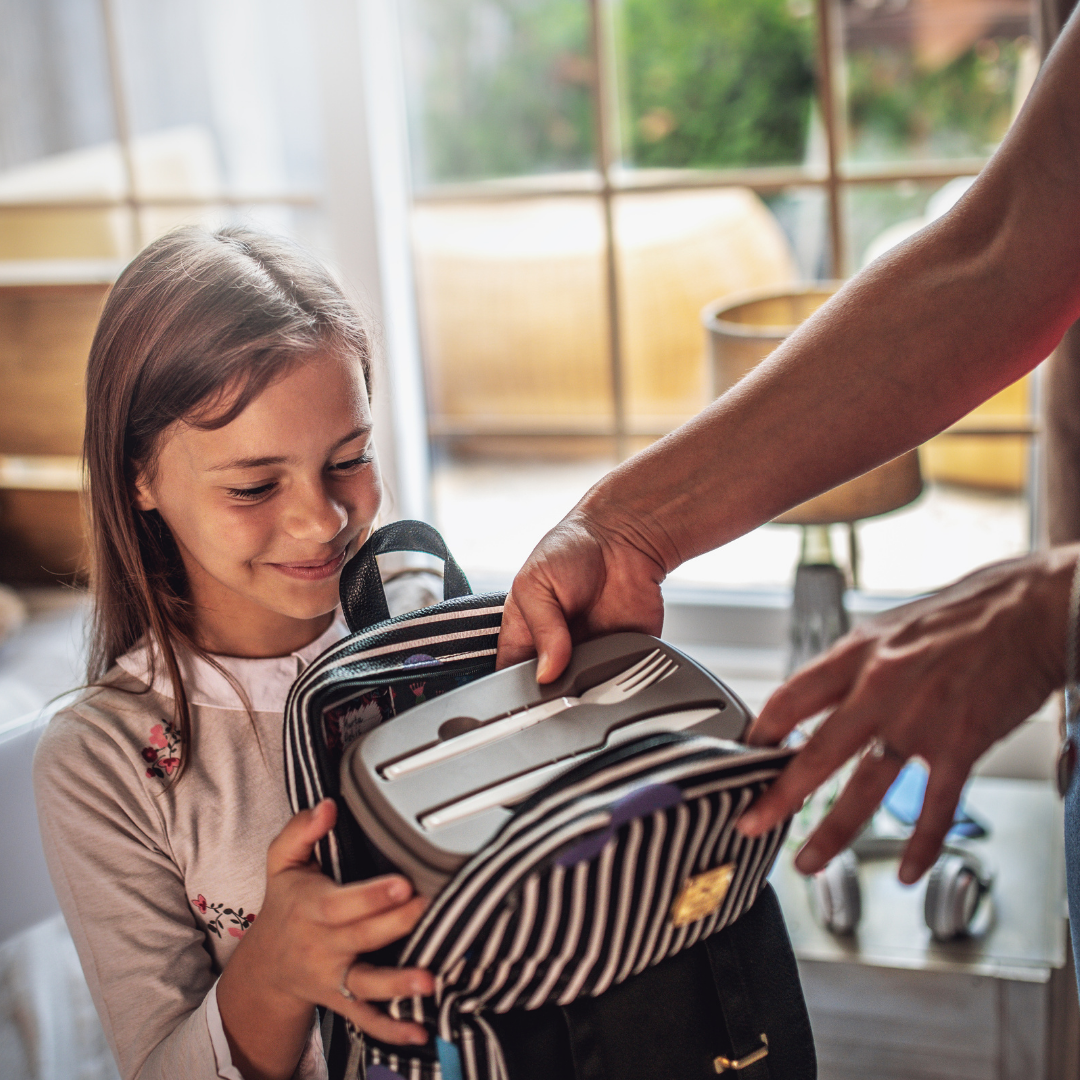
<point>433,786</point>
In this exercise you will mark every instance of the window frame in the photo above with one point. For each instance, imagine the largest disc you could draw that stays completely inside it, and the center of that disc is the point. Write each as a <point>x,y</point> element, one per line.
<point>609,179</point>
<point>394,295</point>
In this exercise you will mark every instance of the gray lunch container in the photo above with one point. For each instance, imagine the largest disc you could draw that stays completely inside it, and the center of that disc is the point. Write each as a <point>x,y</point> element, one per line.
<point>428,817</point>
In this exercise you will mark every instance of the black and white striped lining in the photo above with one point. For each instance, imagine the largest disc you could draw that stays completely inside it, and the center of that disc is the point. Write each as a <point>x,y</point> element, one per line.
<point>460,638</point>
<point>523,924</point>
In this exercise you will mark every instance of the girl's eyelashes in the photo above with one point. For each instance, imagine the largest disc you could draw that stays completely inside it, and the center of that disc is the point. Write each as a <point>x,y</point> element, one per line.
<point>340,468</point>
<point>250,493</point>
<point>351,464</point>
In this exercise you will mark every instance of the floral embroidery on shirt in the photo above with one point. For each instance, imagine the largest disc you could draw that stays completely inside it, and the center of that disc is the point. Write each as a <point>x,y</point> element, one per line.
<point>236,923</point>
<point>163,754</point>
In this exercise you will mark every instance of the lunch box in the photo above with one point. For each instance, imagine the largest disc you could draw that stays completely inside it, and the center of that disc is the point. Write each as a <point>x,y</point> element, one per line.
<point>437,784</point>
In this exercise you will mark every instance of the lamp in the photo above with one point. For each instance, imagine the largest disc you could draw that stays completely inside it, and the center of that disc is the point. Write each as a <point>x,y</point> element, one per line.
<point>742,330</point>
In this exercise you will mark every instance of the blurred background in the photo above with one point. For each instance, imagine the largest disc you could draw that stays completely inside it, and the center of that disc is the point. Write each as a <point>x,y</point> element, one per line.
<point>534,199</point>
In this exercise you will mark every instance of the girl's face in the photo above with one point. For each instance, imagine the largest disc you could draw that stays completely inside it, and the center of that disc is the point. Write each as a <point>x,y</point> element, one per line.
<point>267,509</point>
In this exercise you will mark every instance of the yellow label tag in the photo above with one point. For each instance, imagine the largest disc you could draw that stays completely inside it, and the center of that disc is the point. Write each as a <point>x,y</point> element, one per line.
<point>702,895</point>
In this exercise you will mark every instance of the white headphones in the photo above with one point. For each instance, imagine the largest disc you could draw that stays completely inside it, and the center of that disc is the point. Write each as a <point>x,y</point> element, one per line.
<point>955,890</point>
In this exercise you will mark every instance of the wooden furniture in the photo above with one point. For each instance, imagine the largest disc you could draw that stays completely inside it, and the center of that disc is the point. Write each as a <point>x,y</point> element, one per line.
<point>891,1004</point>
<point>48,312</point>
<point>513,300</point>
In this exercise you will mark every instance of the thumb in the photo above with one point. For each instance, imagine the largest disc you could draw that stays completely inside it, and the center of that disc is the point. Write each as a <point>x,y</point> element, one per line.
<point>294,846</point>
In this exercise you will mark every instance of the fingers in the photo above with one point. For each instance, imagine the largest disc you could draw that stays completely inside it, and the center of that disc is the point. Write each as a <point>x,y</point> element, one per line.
<point>371,983</point>
<point>378,1025</point>
<point>856,804</point>
<point>839,736</point>
<point>295,844</point>
<point>536,623</point>
<point>515,639</point>
<point>943,790</point>
<point>343,905</point>
<point>821,683</point>
<point>368,983</point>
<point>373,932</point>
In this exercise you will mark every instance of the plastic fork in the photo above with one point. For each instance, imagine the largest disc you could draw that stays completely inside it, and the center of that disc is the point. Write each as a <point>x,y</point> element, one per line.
<point>648,671</point>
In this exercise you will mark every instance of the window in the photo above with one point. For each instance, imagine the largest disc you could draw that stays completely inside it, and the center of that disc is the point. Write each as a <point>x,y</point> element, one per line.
<point>587,175</point>
<point>137,117</point>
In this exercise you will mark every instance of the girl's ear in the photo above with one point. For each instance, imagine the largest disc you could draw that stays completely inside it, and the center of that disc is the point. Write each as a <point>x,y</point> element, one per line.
<point>144,495</point>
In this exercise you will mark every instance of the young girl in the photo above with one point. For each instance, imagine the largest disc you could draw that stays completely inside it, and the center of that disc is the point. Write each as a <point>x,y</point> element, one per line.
<point>228,442</point>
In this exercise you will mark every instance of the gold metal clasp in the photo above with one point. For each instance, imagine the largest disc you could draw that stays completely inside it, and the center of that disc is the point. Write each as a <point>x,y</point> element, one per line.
<point>723,1064</point>
<point>702,895</point>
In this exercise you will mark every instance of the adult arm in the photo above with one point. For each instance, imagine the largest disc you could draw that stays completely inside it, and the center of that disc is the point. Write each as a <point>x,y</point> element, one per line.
<point>907,347</point>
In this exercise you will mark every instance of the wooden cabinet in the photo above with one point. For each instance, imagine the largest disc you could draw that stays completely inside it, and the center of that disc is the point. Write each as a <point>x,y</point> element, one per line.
<point>48,312</point>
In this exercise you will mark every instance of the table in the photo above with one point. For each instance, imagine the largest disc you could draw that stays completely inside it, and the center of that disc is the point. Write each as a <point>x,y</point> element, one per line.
<point>890,1003</point>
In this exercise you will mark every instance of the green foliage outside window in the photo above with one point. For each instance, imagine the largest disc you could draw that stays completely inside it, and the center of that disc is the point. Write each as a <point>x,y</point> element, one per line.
<point>504,88</point>
<point>717,82</point>
<point>500,87</point>
<point>898,108</point>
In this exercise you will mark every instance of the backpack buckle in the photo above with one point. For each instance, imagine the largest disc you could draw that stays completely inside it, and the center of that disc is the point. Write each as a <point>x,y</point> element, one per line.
<point>723,1064</point>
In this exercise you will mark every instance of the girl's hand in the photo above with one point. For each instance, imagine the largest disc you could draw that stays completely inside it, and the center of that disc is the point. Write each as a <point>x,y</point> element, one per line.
<point>304,943</point>
<point>580,581</point>
<point>942,679</point>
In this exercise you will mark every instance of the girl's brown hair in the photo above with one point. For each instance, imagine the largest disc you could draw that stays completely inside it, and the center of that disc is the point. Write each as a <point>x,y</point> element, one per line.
<point>196,327</point>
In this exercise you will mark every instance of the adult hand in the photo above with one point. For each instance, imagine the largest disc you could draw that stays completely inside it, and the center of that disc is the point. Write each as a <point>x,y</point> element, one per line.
<point>942,679</point>
<point>304,946</point>
<point>580,581</point>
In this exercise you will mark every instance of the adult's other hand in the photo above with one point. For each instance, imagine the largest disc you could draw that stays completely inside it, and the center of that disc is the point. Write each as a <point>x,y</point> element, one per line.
<point>941,679</point>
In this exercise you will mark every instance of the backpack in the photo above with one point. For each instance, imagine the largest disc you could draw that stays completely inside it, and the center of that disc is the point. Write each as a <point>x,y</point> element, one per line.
<point>726,982</point>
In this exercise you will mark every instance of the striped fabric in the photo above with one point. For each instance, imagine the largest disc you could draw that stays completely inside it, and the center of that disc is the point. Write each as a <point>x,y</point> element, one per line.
<point>366,679</point>
<point>576,893</point>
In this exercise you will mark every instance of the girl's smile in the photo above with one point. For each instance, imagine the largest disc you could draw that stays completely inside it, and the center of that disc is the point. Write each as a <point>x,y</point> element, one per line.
<point>313,571</point>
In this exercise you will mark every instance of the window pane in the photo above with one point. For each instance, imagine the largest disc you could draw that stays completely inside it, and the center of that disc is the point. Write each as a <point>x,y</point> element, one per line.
<point>934,80</point>
<point>716,83</point>
<point>221,96</point>
<point>54,94</point>
<point>56,132</point>
<point>497,87</point>
<point>677,252</point>
<point>877,216</point>
<point>803,215</point>
<point>513,312</point>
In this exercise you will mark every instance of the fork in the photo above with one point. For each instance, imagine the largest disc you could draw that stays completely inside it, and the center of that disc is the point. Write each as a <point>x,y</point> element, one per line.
<point>649,670</point>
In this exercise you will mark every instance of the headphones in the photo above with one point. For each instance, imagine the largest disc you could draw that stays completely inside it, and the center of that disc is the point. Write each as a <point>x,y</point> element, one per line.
<point>955,890</point>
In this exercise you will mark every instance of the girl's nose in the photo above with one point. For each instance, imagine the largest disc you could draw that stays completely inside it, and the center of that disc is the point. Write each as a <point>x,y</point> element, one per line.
<point>313,515</point>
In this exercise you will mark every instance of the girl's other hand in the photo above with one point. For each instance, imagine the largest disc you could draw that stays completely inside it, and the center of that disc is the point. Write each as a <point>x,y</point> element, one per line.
<point>942,679</point>
<point>306,941</point>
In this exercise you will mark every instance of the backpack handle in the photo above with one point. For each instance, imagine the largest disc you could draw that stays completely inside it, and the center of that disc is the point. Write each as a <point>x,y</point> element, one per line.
<point>362,598</point>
